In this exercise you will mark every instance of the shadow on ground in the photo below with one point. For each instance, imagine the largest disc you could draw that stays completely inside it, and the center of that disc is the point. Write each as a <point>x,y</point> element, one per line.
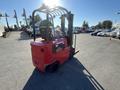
<point>70,76</point>
<point>24,36</point>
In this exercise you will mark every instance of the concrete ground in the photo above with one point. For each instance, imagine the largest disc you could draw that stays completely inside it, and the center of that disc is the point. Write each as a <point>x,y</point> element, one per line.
<point>95,67</point>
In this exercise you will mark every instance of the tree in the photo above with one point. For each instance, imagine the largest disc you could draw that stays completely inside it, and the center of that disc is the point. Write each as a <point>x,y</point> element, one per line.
<point>85,25</point>
<point>37,18</point>
<point>107,24</point>
<point>99,26</point>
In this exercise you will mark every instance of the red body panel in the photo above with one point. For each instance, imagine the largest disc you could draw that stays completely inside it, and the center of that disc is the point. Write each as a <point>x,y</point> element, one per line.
<point>46,53</point>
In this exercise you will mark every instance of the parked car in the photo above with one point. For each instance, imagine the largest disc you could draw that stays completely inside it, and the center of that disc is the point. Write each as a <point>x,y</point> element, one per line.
<point>115,33</point>
<point>76,30</point>
<point>89,30</point>
<point>101,33</point>
<point>95,33</point>
<point>118,34</point>
<point>104,33</point>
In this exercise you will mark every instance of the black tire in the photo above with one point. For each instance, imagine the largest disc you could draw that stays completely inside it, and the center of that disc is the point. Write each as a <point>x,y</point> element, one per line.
<point>52,67</point>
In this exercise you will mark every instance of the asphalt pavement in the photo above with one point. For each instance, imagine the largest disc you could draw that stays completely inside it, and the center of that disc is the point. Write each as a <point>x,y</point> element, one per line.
<point>95,67</point>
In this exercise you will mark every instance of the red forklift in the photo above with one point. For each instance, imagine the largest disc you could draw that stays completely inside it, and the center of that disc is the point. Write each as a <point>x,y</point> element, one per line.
<point>51,51</point>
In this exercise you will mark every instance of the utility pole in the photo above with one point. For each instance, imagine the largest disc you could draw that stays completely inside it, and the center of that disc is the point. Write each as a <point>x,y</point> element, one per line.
<point>7,21</point>
<point>24,15</point>
<point>15,16</point>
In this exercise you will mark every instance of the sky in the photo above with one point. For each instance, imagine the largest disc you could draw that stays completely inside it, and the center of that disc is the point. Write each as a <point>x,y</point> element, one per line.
<point>92,11</point>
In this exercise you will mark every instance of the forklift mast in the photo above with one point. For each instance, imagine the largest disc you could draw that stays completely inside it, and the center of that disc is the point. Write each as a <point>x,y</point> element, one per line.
<point>51,13</point>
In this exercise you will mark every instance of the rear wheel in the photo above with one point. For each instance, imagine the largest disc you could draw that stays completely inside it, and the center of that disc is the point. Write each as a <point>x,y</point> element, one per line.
<point>52,67</point>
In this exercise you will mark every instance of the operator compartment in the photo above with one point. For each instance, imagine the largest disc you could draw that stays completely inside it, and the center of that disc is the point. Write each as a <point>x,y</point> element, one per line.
<point>61,50</point>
